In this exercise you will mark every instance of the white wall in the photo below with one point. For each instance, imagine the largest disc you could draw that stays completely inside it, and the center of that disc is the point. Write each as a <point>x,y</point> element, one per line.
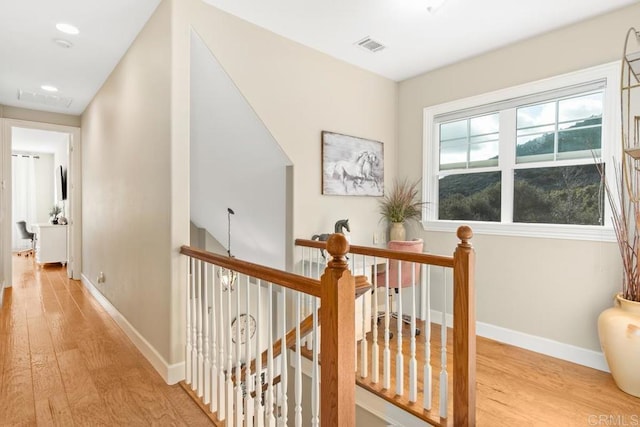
<point>548,288</point>
<point>235,163</point>
<point>44,186</point>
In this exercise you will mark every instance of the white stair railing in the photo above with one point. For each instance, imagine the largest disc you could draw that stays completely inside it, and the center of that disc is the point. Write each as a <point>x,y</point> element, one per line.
<point>237,318</point>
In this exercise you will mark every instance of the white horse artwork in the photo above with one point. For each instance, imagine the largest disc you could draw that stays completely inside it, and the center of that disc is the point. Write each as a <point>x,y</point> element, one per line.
<point>352,172</point>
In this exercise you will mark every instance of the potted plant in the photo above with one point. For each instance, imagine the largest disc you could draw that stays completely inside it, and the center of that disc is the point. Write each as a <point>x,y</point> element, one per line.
<point>400,204</point>
<point>53,214</point>
<point>619,326</point>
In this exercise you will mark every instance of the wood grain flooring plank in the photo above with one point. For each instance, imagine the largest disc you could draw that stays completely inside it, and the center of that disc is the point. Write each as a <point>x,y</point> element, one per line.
<point>53,411</point>
<point>79,385</point>
<point>188,410</point>
<point>16,397</point>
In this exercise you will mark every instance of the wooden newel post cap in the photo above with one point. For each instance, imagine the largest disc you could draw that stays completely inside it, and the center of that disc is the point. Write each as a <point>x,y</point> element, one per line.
<point>464,233</point>
<point>338,247</point>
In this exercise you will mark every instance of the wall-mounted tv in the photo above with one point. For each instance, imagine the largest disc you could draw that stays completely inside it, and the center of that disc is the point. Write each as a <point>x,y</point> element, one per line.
<point>61,183</point>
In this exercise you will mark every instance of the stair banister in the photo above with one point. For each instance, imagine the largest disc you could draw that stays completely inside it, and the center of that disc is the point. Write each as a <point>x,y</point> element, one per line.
<point>464,331</point>
<point>338,335</point>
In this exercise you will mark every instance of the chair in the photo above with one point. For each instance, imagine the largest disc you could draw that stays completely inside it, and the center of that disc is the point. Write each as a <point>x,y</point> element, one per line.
<point>406,276</point>
<point>26,235</point>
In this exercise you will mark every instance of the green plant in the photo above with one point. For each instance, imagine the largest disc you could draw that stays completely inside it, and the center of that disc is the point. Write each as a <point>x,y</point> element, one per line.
<point>55,211</point>
<point>402,202</point>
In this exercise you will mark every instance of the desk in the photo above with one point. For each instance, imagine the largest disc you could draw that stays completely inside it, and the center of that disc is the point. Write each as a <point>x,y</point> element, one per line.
<point>51,243</point>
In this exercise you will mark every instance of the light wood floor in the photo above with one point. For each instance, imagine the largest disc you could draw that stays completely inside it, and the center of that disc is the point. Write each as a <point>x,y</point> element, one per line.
<point>517,387</point>
<point>63,361</point>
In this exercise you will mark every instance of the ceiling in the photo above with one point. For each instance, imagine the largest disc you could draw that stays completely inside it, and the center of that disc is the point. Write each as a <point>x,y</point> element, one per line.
<point>31,58</point>
<point>416,40</point>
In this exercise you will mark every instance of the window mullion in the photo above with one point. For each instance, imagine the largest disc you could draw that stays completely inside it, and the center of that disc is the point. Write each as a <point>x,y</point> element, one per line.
<point>507,162</point>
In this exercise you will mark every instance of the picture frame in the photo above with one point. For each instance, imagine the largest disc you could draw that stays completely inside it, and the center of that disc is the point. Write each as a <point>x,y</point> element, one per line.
<point>352,166</point>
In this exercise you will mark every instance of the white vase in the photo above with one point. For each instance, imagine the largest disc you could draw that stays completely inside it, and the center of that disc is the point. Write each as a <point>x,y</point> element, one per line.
<point>619,332</point>
<point>397,231</point>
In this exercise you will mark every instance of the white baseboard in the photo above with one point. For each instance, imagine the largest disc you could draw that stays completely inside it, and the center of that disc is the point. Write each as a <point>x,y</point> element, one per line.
<point>170,373</point>
<point>568,352</point>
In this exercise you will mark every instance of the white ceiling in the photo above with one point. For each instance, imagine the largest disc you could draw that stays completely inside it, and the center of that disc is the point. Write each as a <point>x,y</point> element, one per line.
<point>30,58</point>
<point>416,40</point>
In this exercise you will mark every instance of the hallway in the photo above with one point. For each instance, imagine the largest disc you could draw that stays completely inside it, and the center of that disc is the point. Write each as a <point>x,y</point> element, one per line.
<point>64,361</point>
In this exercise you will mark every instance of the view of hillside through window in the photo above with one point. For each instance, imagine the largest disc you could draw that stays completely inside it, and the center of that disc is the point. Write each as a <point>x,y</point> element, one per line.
<point>554,177</point>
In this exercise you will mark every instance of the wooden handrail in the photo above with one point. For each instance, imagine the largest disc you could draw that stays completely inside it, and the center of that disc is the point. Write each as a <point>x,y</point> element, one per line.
<point>422,258</point>
<point>288,280</point>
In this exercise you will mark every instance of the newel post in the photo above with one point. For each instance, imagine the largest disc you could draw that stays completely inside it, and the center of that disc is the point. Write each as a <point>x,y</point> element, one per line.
<point>464,331</point>
<point>337,348</point>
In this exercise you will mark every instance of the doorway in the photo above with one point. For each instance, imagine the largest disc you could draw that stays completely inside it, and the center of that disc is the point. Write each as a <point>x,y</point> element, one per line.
<point>47,160</point>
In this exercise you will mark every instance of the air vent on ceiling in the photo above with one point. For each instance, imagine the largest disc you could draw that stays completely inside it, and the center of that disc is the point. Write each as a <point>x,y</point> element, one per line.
<point>41,98</point>
<point>371,45</point>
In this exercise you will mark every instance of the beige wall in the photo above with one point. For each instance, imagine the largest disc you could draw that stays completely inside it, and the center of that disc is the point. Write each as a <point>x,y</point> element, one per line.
<point>136,152</point>
<point>548,288</point>
<point>126,197</point>
<point>297,92</point>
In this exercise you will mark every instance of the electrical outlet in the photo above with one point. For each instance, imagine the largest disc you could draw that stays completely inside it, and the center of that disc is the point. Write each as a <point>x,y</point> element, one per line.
<point>101,278</point>
<point>375,238</point>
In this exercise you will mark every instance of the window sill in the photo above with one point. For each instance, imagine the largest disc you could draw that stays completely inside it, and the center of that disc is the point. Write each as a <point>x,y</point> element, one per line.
<point>543,231</point>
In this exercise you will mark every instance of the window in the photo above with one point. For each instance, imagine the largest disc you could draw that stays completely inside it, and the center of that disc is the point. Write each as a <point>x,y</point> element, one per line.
<point>521,160</point>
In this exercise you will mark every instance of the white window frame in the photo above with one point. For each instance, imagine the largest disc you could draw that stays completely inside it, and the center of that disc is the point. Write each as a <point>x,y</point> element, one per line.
<point>610,155</point>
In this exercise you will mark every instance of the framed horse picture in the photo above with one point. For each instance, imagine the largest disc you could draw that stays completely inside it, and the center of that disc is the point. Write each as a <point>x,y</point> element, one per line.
<point>352,166</point>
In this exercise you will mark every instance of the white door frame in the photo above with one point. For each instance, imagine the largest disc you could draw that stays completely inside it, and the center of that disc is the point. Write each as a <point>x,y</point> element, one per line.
<point>74,191</point>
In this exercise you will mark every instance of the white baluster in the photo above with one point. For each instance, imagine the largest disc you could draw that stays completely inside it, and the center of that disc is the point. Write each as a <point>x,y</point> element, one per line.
<point>248,401</point>
<point>413,363</point>
<point>427,380</point>
<point>374,326</point>
<point>399,355</point>
<point>315,374</point>
<point>271,420</point>
<point>194,329</point>
<point>229,368</point>
<point>283,405</point>
<point>238,385</point>
<point>258,387</point>
<point>386,353</point>
<point>214,342</point>
<point>298,371</point>
<point>207,359</point>
<point>189,345</point>
<point>444,377</point>
<point>223,322</point>
<point>198,275</point>
<point>364,344</point>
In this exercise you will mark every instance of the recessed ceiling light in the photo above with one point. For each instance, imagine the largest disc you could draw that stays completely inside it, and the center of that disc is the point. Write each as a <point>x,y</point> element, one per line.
<point>63,43</point>
<point>49,88</point>
<point>67,28</point>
